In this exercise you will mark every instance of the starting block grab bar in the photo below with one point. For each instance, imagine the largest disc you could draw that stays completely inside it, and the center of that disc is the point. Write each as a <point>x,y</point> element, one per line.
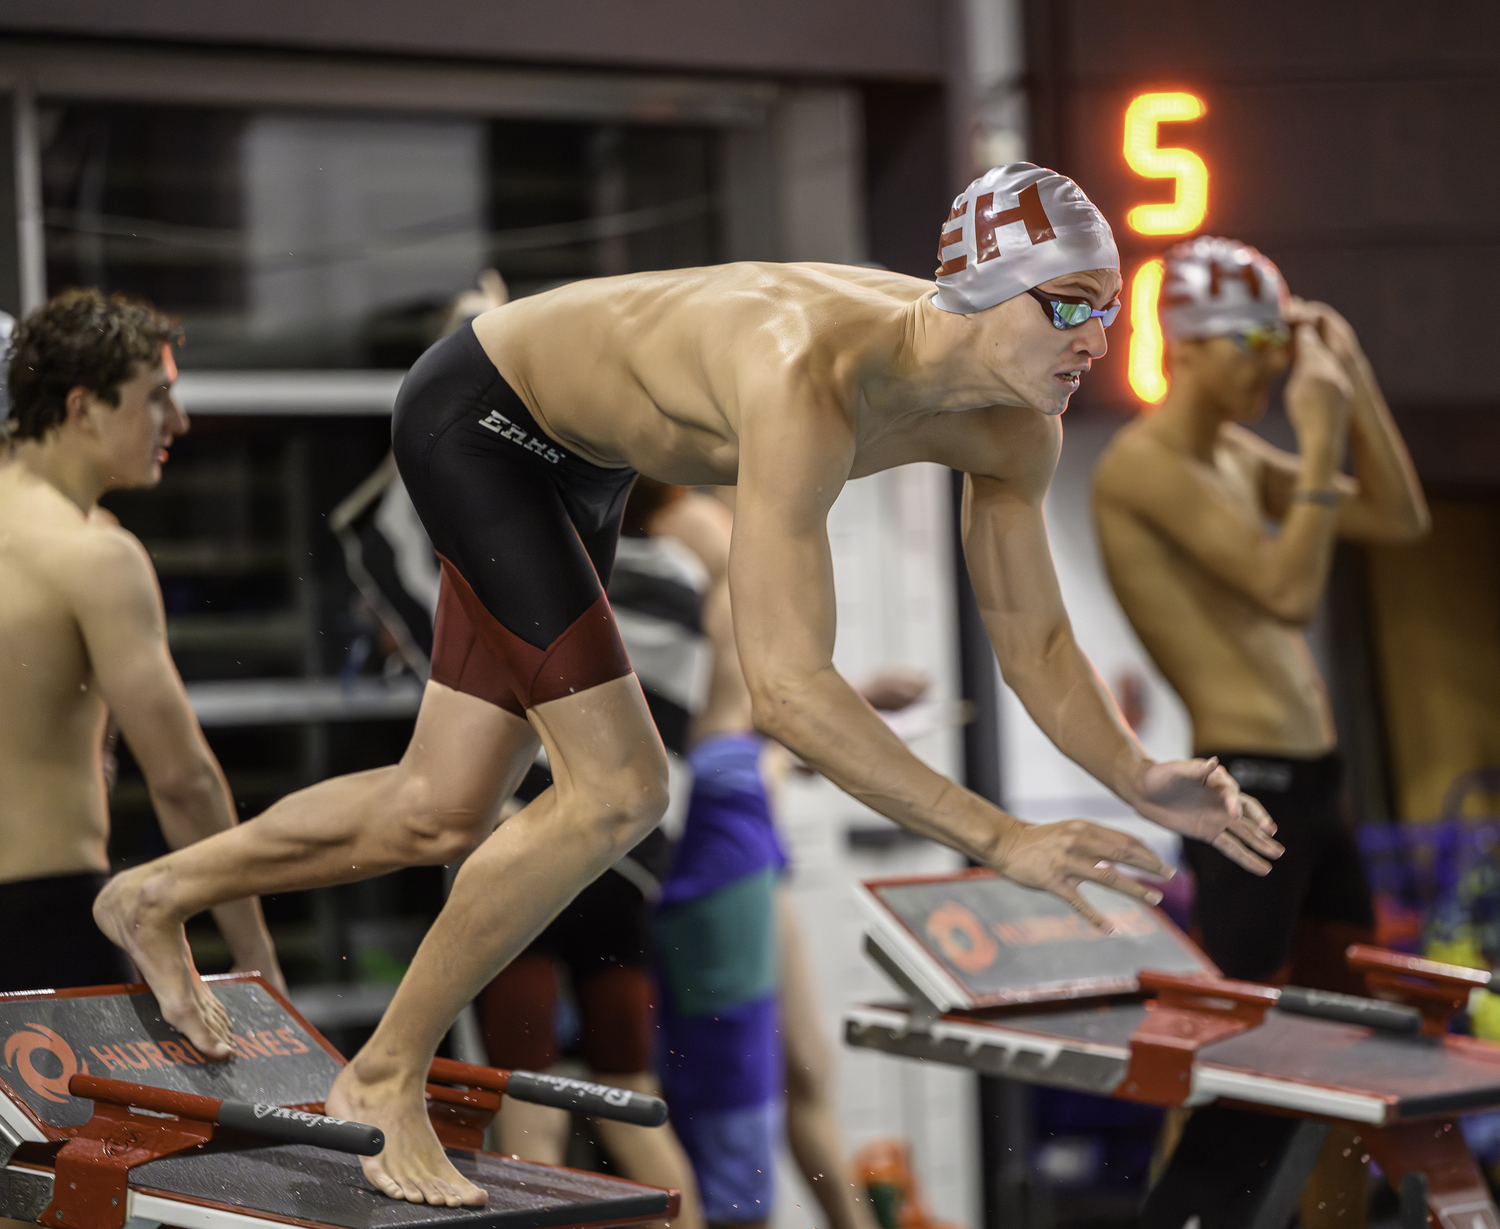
<point>295,1126</point>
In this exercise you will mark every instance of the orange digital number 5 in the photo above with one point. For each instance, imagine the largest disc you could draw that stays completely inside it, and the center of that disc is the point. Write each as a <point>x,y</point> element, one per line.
<point>1180,216</point>
<point>1185,213</point>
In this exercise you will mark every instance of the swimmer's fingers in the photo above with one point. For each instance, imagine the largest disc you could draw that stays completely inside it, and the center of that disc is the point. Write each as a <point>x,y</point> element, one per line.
<point>1058,857</point>
<point>1253,827</point>
<point>1107,876</point>
<point>1253,838</point>
<point>1235,850</point>
<point>1107,845</point>
<point>1251,810</point>
<point>1077,847</point>
<point>1069,893</point>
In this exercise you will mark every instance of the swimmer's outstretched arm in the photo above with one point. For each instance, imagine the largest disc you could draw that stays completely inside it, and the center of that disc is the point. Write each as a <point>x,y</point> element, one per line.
<point>1010,564</point>
<point>119,610</point>
<point>792,466</point>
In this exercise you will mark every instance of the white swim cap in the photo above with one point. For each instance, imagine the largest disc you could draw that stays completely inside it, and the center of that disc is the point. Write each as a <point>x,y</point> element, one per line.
<point>1211,287</point>
<point>1013,228</point>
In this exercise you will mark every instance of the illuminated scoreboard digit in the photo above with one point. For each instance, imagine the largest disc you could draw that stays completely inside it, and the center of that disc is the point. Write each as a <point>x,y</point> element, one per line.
<point>1185,212</point>
<point>1353,155</point>
<point>1182,215</point>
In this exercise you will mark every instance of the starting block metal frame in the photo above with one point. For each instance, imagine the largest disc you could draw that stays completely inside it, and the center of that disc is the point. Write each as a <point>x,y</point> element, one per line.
<point>982,965</point>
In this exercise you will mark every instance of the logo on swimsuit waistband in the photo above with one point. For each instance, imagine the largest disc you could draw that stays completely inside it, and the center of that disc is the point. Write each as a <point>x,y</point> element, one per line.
<point>503,427</point>
<point>1261,774</point>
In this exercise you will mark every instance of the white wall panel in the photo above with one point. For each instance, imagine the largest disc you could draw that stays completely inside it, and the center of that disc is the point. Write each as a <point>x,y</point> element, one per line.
<point>892,549</point>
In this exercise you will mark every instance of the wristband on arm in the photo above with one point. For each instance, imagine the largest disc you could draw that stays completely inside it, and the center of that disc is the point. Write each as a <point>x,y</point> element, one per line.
<point>1327,498</point>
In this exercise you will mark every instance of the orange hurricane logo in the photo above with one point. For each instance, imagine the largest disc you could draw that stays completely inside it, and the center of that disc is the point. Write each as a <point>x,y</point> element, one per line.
<point>961,938</point>
<point>19,1050</point>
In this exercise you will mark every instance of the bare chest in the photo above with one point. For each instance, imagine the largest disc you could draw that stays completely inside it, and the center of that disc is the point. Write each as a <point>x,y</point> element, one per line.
<point>1237,478</point>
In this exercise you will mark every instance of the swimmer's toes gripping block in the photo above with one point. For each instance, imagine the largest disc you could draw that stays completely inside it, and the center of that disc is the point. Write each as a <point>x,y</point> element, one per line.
<point>462,1098</point>
<point>90,1187</point>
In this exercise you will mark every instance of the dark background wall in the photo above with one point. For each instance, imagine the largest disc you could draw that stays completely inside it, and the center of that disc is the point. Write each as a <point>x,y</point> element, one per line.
<point>864,38</point>
<point>907,174</point>
<point>1351,141</point>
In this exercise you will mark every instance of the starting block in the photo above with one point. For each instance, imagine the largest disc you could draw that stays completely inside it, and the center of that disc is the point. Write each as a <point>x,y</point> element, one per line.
<point>1010,982</point>
<point>109,1117</point>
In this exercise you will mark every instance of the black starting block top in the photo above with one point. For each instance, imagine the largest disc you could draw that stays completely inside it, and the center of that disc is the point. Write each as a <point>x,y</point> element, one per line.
<point>971,939</point>
<point>309,1184</point>
<point>232,1181</point>
<point>118,1032</point>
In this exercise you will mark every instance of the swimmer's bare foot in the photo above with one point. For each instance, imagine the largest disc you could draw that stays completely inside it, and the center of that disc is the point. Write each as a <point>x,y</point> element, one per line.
<point>132,915</point>
<point>413,1165</point>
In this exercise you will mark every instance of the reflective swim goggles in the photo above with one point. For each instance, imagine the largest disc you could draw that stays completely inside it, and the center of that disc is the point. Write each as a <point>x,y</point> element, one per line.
<point>1070,313</point>
<point>1262,337</point>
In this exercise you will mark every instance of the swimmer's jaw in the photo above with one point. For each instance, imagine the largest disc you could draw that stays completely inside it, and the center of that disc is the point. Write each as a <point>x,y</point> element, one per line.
<point>1064,383</point>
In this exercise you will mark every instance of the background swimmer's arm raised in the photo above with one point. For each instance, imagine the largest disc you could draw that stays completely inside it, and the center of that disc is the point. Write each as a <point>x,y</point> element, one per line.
<point>1383,502</point>
<point>1188,501</point>
<point>794,460</point>
<point>119,611</point>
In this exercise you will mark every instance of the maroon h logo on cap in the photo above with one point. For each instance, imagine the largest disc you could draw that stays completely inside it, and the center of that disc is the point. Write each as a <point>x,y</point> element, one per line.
<point>987,221</point>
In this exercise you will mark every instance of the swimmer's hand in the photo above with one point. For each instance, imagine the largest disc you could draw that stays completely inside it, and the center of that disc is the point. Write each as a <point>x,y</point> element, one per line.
<point>1317,393</point>
<point>1333,330</point>
<point>1198,798</point>
<point>1058,857</point>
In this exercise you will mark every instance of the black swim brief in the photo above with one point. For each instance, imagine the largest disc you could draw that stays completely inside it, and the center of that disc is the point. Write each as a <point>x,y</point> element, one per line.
<point>1249,922</point>
<point>53,941</point>
<point>525,531</point>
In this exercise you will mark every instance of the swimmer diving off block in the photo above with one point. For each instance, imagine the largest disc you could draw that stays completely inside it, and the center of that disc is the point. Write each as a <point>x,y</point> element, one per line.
<point>518,439</point>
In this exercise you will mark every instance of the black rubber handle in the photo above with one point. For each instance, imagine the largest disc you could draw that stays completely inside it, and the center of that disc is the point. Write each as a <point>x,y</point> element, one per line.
<point>595,1100</point>
<point>1350,1009</point>
<point>297,1127</point>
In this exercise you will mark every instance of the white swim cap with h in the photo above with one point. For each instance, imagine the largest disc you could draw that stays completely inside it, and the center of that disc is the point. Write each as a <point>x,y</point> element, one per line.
<point>1013,228</point>
<point>1211,287</point>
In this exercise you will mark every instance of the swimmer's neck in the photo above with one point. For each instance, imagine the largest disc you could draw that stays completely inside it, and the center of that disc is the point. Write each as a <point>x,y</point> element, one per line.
<point>52,459</point>
<point>1189,420</point>
<point>940,364</point>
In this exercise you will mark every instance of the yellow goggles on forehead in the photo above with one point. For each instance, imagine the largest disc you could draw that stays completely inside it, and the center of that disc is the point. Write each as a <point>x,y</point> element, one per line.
<point>1262,337</point>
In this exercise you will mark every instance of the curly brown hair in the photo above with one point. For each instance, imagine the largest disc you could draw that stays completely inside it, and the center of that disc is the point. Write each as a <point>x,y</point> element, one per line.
<point>79,338</point>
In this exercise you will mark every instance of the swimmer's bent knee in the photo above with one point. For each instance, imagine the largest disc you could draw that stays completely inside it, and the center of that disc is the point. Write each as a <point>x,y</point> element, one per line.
<point>628,811</point>
<point>433,829</point>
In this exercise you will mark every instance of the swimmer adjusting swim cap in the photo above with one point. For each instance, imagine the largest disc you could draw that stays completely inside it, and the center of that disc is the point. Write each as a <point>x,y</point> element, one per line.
<point>1013,228</point>
<point>1211,287</point>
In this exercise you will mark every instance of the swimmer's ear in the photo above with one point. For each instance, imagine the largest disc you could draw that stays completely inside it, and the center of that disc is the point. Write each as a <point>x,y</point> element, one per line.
<point>76,408</point>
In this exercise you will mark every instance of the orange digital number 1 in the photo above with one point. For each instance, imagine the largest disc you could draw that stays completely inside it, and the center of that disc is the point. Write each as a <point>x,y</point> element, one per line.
<point>1180,216</point>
